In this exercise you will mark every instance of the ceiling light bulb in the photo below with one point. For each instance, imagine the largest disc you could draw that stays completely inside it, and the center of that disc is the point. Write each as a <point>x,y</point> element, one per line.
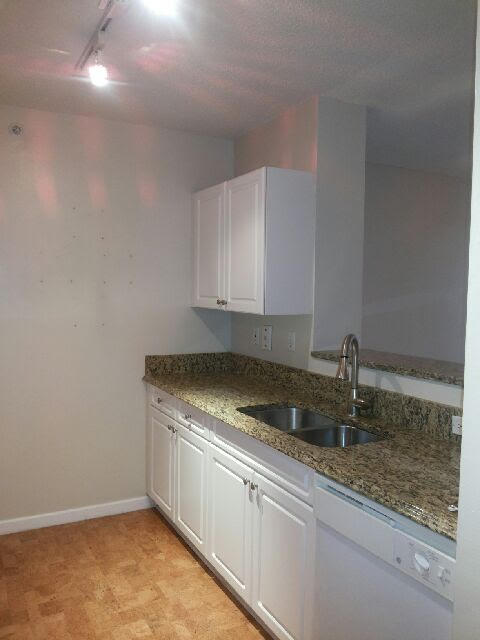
<point>98,74</point>
<point>163,7</point>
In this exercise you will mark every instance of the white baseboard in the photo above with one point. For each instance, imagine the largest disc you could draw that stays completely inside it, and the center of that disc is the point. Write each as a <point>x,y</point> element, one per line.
<point>74,515</point>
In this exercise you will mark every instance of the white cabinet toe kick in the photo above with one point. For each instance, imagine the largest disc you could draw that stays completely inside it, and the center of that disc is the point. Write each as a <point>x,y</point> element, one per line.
<point>288,542</point>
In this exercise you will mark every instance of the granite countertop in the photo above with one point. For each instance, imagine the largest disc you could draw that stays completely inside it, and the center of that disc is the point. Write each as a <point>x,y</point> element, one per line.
<point>413,366</point>
<point>407,471</point>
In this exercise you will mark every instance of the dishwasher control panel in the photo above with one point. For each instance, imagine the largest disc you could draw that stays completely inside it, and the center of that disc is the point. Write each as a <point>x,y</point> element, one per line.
<point>424,563</point>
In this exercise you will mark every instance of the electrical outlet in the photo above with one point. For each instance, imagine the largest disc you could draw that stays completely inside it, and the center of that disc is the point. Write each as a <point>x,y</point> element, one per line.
<point>267,337</point>
<point>457,425</point>
<point>291,340</point>
<point>256,336</point>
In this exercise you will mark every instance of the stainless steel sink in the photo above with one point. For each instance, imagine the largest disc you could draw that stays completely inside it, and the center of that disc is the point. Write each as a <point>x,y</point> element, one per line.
<point>310,426</point>
<point>338,436</point>
<point>289,418</point>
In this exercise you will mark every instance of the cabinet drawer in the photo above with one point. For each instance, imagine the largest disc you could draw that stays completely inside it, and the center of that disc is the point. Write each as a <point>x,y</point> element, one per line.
<point>162,401</point>
<point>193,419</point>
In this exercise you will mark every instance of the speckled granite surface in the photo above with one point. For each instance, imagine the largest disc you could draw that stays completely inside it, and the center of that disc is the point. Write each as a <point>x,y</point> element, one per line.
<point>393,408</point>
<point>424,368</point>
<point>408,472</point>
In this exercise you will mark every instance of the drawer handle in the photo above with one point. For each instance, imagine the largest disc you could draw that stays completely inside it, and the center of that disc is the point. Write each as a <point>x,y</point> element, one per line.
<point>159,400</point>
<point>188,416</point>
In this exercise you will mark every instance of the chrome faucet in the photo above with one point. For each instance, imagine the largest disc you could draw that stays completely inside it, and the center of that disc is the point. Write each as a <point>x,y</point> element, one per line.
<point>350,344</point>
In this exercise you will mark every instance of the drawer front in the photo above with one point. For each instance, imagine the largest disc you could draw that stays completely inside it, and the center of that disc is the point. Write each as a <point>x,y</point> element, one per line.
<point>162,401</point>
<point>193,419</point>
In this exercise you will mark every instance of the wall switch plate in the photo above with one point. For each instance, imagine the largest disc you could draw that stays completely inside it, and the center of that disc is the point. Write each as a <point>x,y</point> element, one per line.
<point>457,425</point>
<point>291,340</point>
<point>267,337</point>
<point>256,336</point>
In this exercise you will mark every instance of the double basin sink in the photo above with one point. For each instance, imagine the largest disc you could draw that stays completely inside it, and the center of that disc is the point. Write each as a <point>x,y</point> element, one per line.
<point>310,426</point>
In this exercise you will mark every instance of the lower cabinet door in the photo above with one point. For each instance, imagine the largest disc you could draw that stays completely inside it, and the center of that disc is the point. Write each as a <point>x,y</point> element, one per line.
<point>191,487</point>
<point>230,524</point>
<point>283,561</point>
<point>161,452</point>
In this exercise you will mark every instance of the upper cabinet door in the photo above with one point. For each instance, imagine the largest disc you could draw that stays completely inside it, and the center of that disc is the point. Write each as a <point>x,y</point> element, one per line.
<point>245,243</point>
<point>208,251</point>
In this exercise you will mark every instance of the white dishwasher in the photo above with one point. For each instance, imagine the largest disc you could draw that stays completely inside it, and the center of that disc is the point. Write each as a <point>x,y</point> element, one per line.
<point>379,575</point>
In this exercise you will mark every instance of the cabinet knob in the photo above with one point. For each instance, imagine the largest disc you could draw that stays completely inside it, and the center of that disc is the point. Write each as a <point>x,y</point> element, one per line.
<point>188,416</point>
<point>253,486</point>
<point>219,301</point>
<point>159,400</point>
<point>245,481</point>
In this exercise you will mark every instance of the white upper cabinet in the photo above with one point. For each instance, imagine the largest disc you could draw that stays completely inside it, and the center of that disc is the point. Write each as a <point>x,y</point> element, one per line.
<point>208,250</point>
<point>245,243</point>
<point>257,232</point>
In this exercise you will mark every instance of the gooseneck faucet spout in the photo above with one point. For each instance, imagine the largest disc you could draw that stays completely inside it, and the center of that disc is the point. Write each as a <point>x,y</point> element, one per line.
<point>350,346</point>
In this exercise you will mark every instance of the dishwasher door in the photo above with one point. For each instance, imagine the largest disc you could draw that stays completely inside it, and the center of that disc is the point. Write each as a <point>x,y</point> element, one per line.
<point>362,594</point>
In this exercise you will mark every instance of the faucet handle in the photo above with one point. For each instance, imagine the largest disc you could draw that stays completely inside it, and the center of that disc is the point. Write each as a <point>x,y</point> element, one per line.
<point>361,403</point>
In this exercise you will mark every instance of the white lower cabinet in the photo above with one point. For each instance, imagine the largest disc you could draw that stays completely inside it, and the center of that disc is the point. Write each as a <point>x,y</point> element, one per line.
<point>283,563</point>
<point>255,534</point>
<point>177,475</point>
<point>191,486</point>
<point>230,520</point>
<point>161,461</point>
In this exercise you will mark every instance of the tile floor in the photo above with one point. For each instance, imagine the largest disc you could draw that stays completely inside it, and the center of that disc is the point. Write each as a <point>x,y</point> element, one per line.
<point>114,578</point>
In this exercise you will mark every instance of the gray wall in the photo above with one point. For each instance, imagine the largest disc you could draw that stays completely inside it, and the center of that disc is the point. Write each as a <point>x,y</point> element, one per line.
<point>242,337</point>
<point>415,262</point>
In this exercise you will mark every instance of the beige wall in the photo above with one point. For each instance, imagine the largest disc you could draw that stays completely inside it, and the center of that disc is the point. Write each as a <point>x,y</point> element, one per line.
<point>95,272</point>
<point>270,145</point>
<point>289,141</point>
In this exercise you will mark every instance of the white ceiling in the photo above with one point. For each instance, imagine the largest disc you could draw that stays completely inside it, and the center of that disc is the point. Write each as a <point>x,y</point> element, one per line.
<point>224,66</point>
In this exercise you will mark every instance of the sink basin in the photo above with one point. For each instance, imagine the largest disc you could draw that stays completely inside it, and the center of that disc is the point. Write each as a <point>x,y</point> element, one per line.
<point>340,435</point>
<point>289,418</point>
<point>310,426</point>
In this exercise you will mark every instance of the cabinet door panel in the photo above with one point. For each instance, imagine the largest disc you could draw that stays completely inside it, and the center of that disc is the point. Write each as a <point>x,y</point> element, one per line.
<point>230,520</point>
<point>191,487</point>
<point>208,233</point>
<point>245,243</point>
<point>162,461</point>
<point>282,561</point>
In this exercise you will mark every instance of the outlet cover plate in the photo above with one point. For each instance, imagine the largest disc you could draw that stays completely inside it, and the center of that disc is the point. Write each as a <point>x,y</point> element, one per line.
<point>457,425</point>
<point>291,340</point>
<point>267,337</point>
